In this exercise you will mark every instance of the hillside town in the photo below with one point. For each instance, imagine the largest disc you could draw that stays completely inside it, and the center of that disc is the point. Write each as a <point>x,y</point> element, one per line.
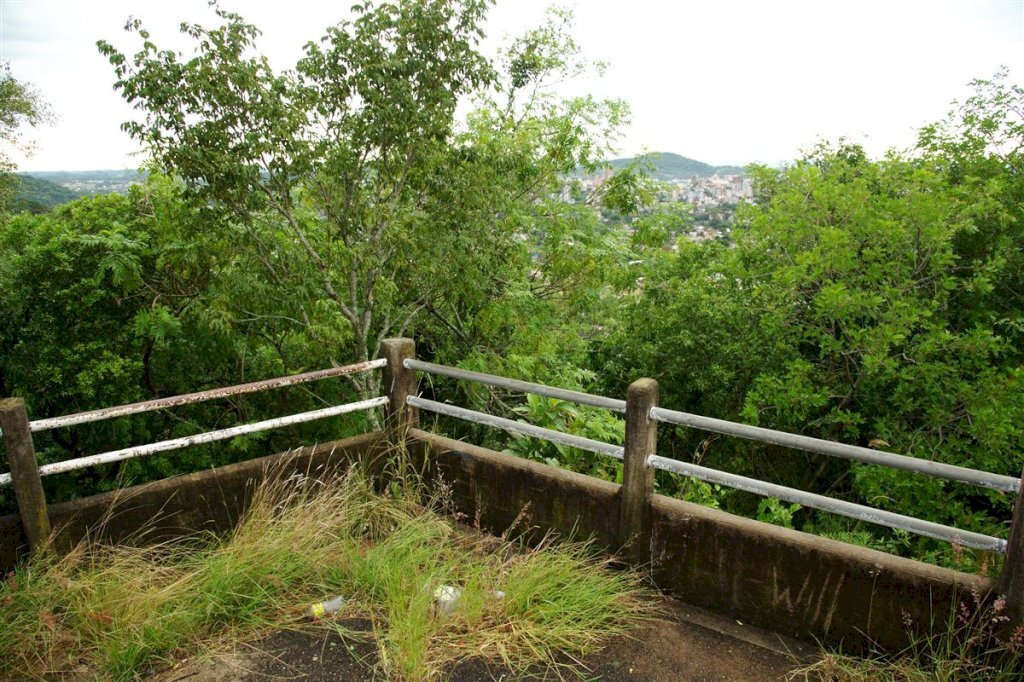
<point>712,198</point>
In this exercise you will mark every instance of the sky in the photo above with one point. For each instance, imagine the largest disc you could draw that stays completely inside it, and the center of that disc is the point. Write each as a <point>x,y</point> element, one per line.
<point>721,81</point>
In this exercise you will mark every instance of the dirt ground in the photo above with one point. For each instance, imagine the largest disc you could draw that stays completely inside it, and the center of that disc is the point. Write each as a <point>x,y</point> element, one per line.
<point>689,645</point>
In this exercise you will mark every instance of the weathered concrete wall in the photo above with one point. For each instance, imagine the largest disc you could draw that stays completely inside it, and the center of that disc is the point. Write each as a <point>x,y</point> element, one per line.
<point>787,581</point>
<point>799,584</point>
<point>210,500</point>
<point>500,491</point>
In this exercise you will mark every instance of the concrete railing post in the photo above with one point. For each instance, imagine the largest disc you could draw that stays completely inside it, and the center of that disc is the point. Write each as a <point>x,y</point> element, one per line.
<point>1011,580</point>
<point>399,384</point>
<point>21,456</point>
<point>637,477</point>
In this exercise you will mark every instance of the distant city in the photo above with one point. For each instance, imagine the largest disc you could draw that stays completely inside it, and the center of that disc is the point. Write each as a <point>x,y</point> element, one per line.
<point>712,192</point>
<point>93,182</point>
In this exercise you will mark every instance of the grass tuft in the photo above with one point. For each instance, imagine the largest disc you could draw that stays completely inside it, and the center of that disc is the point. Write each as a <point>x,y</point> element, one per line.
<point>117,612</point>
<point>974,644</point>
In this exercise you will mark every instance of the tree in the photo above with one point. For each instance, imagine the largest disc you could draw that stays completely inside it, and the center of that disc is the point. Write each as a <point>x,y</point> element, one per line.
<point>20,105</point>
<point>979,150</point>
<point>350,151</point>
<point>119,298</point>
<point>360,198</point>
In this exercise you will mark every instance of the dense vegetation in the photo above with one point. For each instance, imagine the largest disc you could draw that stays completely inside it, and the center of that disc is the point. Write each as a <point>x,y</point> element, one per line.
<point>293,219</point>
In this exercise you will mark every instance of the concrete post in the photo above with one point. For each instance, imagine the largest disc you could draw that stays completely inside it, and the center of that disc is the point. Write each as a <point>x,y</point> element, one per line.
<point>637,477</point>
<point>1011,580</point>
<point>21,456</point>
<point>399,383</point>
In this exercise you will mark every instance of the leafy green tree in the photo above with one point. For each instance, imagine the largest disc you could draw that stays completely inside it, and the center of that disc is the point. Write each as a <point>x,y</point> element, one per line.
<point>20,106</point>
<point>363,203</point>
<point>979,150</point>
<point>338,174</point>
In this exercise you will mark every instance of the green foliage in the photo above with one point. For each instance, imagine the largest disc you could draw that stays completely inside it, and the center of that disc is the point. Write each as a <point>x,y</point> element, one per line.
<point>124,298</point>
<point>772,510</point>
<point>357,197</point>
<point>38,196</point>
<point>20,106</point>
<point>339,176</point>
<point>565,417</point>
<point>869,302</point>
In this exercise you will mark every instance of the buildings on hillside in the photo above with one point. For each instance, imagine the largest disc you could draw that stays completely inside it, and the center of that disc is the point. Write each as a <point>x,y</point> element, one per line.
<point>698,191</point>
<point>711,198</point>
<point>716,190</point>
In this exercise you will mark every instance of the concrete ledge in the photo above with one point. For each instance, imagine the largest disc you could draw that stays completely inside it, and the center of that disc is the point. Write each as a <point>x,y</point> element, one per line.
<point>500,491</point>
<point>794,583</point>
<point>209,500</point>
<point>799,584</point>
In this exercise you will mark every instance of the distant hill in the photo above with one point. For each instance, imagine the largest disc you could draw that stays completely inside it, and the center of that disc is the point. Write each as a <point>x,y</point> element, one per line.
<point>667,166</point>
<point>112,175</point>
<point>39,196</point>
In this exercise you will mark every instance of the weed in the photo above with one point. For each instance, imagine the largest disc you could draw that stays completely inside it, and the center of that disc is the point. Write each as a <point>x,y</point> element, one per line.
<point>119,611</point>
<point>969,646</point>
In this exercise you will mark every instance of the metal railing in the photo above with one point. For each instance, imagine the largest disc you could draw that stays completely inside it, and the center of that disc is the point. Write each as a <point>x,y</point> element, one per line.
<point>515,385</point>
<point>520,428</point>
<point>638,454</point>
<point>830,504</point>
<point>841,450</point>
<point>206,437</point>
<point>770,436</point>
<point>201,396</point>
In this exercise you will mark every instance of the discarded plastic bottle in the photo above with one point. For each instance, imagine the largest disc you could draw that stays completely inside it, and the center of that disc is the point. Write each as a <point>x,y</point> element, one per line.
<point>445,599</point>
<point>325,608</point>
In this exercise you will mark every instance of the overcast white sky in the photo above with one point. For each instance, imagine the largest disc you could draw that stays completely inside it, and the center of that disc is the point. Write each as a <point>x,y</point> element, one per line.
<point>722,82</point>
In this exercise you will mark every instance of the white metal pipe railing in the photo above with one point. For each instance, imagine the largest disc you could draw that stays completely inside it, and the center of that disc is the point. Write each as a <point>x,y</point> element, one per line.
<point>751,485</point>
<point>755,433</point>
<point>517,427</point>
<point>578,397</point>
<point>829,504</point>
<point>842,450</point>
<point>201,396</point>
<point>208,437</point>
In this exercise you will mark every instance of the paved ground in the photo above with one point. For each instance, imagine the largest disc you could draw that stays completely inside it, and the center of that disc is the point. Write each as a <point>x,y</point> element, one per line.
<point>691,645</point>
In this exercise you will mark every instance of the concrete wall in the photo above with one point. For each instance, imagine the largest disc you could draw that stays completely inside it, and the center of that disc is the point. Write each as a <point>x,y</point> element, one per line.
<point>207,500</point>
<point>784,580</point>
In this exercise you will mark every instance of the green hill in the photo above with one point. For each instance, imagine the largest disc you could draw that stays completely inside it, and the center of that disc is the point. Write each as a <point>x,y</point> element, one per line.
<point>667,166</point>
<point>38,196</point>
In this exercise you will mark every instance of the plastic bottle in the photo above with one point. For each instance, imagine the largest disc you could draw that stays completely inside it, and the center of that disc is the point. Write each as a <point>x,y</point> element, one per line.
<point>325,608</point>
<point>445,599</point>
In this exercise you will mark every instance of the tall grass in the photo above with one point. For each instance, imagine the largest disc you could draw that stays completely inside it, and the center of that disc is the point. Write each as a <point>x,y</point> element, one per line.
<point>119,611</point>
<point>974,643</point>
